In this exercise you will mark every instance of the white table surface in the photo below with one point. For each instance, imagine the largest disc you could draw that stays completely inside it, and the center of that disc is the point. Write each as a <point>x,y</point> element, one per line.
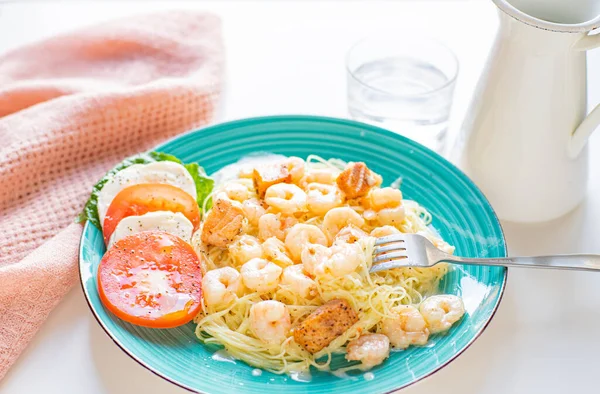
<point>288,57</point>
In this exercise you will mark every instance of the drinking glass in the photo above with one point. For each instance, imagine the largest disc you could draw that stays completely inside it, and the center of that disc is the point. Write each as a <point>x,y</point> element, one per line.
<point>403,84</point>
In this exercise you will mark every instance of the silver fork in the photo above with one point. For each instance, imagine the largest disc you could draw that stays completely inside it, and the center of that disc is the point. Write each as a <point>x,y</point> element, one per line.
<point>412,250</point>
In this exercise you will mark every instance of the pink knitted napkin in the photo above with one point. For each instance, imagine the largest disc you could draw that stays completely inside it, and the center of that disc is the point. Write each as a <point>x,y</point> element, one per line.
<point>70,108</point>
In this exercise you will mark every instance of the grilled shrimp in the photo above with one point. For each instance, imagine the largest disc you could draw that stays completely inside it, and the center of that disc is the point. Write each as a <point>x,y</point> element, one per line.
<point>349,235</point>
<point>313,256</point>
<point>408,327</point>
<point>386,197</point>
<point>345,258</point>
<point>260,275</point>
<point>295,167</point>
<point>442,311</point>
<point>245,248</point>
<point>286,198</point>
<point>302,235</point>
<point>274,250</point>
<point>237,191</point>
<point>298,282</point>
<point>385,206</point>
<point>270,321</point>
<point>338,218</point>
<point>369,349</point>
<point>272,225</point>
<point>221,286</point>
<point>384,231</point>
<point>321,198</point>
<point>325,176</point>
<point>253,211</point>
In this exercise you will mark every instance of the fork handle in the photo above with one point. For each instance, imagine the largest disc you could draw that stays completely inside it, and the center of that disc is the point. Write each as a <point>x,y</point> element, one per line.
<point>582,262</point>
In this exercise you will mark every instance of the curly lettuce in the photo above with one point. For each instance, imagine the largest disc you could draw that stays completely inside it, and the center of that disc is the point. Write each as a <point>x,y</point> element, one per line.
<point>204,184</point>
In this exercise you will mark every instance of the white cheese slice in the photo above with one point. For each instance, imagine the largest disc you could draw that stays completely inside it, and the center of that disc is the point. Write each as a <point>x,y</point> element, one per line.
<point>164,172</point>
<point>171,222</point>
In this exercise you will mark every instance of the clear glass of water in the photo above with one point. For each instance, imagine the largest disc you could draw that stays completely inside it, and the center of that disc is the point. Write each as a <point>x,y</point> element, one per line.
<point>405,85</point>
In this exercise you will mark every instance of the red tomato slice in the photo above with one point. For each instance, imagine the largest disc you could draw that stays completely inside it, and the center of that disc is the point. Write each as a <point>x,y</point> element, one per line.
<point>151,279</point>
<point>140,199</point>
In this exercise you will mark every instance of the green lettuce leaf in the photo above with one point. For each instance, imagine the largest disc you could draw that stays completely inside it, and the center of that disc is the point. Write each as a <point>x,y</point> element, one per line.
<point>204,184</point>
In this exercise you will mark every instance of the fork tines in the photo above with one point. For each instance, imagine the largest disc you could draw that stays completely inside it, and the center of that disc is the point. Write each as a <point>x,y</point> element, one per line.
<point>388,248</point>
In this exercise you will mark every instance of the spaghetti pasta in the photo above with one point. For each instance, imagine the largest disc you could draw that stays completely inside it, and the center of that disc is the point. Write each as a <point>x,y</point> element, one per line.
<point>372,296</point>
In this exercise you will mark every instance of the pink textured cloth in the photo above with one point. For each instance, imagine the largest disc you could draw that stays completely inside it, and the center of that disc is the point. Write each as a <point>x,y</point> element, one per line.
<point>71,107</point>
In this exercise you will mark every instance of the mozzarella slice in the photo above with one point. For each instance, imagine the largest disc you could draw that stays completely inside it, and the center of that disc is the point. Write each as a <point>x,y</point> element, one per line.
<point>171,222</point>
<point>166,172</point>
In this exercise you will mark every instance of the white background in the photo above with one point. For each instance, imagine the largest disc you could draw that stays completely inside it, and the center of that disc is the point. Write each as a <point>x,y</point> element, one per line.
<point>288,57</point>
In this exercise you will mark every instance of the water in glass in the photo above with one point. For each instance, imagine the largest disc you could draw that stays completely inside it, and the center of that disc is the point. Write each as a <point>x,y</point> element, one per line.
<point>403,94</point>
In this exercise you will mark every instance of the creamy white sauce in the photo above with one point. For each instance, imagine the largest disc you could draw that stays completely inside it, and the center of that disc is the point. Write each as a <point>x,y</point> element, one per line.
<point>230,172</point>
<point>340,374</point>
<point>301,376</point>
<point>369,376</point>
<point>222,355</point>
<point>256,372</point>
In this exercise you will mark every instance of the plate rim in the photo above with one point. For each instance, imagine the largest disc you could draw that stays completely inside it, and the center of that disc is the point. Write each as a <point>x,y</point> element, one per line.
<point>292,117</point>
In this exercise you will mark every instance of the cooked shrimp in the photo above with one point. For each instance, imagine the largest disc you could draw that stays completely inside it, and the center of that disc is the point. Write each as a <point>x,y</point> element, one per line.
<point>286,198</point>
<point>274,250</point>
<point>223,222</point>
<point>356,180</point>
<point>270,321</point>
<point>384,231</point>
<point>408,327</point>
<point>391,216</point>
<point>338,218</point>
<point>253,211</point>
<point>441,312</point>
<point>274,225</point>
<point>326,323</point>
<point>325,176</point>
<point>369,349</point>
<point>267,175</point>
<point>298,282</point>
<point>221,286</point>
<point>302,235</point>
<point>295,167</point>
<point>345,258</point>
<point>236,191</point>
<point>385,206</point>
<point>321,198</point>
<point>313,256</point>
<point>245,248</point>
<point>349,235</point>
<point>380,198</point>
<point>260,274</point>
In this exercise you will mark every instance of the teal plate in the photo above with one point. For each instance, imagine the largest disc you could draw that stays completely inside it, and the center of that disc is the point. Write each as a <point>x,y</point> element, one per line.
<point>461,214</point>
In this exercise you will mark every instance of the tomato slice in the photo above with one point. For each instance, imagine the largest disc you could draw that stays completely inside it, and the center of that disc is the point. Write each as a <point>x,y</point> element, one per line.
<point>151,279</point>
<point>149,197</point>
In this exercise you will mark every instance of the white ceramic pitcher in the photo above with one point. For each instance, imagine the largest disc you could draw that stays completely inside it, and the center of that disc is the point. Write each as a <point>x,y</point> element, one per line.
<point>524,138</point>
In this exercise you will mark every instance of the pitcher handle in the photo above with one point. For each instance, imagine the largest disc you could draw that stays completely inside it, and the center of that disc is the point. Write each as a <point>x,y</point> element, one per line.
<point>589,41</point>
<point>592,121</point>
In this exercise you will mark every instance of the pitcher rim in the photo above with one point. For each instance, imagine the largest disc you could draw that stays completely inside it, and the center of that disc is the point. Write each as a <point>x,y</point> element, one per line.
<point>521,16</point>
